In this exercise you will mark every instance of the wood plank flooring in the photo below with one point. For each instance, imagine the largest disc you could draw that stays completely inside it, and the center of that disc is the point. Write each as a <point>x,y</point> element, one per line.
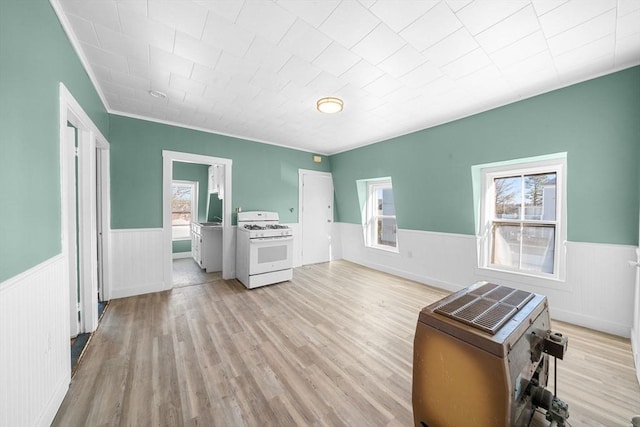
<point>332,347</point>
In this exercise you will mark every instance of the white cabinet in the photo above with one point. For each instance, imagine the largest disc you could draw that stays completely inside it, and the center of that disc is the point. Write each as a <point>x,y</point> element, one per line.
<point>206,246</point>
<point>196,243</point>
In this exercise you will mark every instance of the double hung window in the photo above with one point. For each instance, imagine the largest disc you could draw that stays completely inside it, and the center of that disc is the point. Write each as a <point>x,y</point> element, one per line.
<point>184,197</point>
<point>524,218</point>
<point>381,216</point>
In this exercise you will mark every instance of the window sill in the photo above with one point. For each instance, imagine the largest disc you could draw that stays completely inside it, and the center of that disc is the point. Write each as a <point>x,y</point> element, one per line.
<point>383,249</point>
<point>180,239</point>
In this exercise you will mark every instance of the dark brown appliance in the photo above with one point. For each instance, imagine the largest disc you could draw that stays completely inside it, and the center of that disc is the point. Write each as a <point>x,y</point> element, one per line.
<point>481,358</point>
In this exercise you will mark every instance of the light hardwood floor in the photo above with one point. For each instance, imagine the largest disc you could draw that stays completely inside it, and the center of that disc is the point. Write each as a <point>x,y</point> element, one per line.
<point>332,347</point>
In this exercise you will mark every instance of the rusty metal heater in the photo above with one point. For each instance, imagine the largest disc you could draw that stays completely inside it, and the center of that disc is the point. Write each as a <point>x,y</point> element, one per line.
<point>481,358</point>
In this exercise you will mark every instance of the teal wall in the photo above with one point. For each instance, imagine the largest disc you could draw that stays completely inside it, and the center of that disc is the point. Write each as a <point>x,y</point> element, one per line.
<point>596,122</point>
<point>200,174</point>
<point>265,177</point>
<point>215,208</point>
<point>35,56</point>
<point>178,246</point>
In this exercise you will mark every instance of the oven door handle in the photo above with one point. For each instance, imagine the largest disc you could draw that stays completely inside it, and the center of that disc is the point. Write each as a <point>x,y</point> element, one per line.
<point>272,238</point>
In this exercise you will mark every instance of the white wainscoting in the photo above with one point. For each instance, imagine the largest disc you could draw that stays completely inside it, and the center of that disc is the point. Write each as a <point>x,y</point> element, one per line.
<point>35,359</point>
<point>297,243</point>
<point>635,332</point>
<point>137,258</point>
<point>336,247</point>
<point>336,242</point>
<point>598,292</point>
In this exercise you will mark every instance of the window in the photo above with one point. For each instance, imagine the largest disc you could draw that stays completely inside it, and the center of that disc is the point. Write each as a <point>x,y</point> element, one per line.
<point>184,208</point>
<point>523,218</point>
<point>381,215</point>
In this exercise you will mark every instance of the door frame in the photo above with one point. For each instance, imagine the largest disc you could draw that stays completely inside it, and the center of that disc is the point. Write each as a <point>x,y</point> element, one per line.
<point>90,139</point>
<point>228,241</point>
<point>301,174</point>
<point>635,327</point>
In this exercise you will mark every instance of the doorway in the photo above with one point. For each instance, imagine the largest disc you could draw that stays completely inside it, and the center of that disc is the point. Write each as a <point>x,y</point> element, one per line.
<point>228,237</point>
<point>84,169</point>
<point>316,215</point>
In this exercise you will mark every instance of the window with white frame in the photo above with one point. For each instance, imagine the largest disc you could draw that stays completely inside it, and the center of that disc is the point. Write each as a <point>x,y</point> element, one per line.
<point>524,218</point>
<point>184,208</point>
<point>381,215</point>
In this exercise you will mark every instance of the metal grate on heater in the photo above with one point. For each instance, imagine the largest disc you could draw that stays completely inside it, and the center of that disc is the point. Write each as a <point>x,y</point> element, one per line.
<point>486,308</point>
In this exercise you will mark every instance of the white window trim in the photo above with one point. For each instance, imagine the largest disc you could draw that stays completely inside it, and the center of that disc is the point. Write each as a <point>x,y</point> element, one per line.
<point>557,165</point>
<point>371,207</point>
<point>194,205</point>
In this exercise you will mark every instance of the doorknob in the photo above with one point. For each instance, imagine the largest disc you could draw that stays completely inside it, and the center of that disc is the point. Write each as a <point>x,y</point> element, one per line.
<point>328,220</point>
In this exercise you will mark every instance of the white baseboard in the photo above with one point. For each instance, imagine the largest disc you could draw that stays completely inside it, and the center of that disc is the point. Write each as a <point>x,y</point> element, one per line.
<point>636,352</point>
<point>181,255</point>
<point>591,322</point>
<point>420,278</point>
<point>57,396</point>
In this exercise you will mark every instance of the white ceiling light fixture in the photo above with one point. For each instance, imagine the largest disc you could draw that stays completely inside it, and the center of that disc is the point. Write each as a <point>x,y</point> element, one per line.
<point>329,105</point>
<point>157,94</point>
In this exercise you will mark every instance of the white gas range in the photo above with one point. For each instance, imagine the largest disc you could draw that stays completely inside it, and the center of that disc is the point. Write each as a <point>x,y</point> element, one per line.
<point>264,249</point>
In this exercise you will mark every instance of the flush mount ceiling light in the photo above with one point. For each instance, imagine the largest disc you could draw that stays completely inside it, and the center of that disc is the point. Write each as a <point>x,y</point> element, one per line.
<point>329,105</point>
<point>157,94</point>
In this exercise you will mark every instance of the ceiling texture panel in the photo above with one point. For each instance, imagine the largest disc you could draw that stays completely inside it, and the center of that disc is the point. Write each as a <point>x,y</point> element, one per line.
<point>255,69</point>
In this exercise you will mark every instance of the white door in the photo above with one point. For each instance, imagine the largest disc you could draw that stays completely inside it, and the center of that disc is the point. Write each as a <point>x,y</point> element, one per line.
<point>100,224</point>
<point>635,330</point>
<point>87,231</point>
<point>70,167</point>
<point>316,201</point>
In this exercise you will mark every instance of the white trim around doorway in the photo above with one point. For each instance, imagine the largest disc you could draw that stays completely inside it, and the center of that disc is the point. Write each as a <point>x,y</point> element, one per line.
<point>228,241</point>
<point>90,140</point>
<point>301,174</point>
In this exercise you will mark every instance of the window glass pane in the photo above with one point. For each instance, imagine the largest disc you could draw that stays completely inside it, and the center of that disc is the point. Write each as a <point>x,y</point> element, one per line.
<point>378,200</point>
<point>540,196</point>
<point>508,193</point>
<point>506,245</point>
<point>180,205</point>
<point>388,207</point>
<point>538,252</point>
<point>381,212</point>
<point>386,231</point>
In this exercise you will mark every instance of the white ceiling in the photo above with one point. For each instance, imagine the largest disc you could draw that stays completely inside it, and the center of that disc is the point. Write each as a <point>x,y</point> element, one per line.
<point>255,68</point>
